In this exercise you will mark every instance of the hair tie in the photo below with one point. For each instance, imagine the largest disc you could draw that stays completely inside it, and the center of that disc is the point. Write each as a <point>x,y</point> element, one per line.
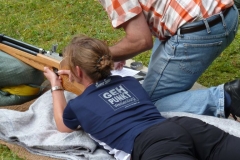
<point>99,60</point>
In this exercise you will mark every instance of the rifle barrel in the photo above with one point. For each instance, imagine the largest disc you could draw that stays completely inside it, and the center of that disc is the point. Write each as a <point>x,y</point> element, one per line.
<point>8,40</point>
<point>20,48</point>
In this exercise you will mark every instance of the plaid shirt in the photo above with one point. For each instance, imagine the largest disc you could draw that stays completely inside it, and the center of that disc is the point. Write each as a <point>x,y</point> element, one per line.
<point>164,17</point>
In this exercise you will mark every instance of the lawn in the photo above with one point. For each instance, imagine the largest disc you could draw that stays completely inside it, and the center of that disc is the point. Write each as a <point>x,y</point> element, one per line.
<point>44,23</point>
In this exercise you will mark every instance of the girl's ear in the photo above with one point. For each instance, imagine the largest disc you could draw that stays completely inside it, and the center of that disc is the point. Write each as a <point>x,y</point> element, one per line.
<point>79,72</point>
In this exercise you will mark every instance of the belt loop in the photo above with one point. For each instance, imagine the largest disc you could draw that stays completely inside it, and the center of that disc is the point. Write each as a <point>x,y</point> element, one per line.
<point>223,20</point>
<point>234,7</point>
<point>179,32</point>
<point>207,26</point>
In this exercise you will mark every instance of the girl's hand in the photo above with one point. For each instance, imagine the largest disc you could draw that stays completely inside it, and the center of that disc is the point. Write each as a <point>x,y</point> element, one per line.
<point>66,72</point>
<point>52,77</point>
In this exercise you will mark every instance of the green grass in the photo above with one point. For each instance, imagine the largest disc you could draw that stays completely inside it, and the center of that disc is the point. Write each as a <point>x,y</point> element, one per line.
<point>225,68</point>
<point>6,154</point>
<point>43,23</point>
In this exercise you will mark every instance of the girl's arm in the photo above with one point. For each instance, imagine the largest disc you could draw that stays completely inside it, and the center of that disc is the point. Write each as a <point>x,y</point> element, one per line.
<point>59,100</point>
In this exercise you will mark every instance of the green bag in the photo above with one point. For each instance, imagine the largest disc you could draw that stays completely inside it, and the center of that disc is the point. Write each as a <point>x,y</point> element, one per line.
<point>14,72</point>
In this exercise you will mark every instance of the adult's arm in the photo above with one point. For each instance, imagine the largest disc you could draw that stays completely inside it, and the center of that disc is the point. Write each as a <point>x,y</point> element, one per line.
<point>138,39</point>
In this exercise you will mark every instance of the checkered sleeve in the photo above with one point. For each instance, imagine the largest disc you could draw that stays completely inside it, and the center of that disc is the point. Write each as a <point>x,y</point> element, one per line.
<point>120,11</point>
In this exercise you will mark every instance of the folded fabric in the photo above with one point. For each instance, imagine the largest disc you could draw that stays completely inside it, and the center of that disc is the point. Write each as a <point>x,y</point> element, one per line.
<point>35,130</point>
<point>7,99</point>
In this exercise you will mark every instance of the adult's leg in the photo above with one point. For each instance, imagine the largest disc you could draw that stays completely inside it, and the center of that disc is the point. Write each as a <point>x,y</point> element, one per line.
<point>203,102</point>
<point>177,63</point>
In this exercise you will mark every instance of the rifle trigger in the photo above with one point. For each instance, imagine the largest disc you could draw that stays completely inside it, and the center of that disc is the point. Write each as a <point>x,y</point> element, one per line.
<point>55,70</point>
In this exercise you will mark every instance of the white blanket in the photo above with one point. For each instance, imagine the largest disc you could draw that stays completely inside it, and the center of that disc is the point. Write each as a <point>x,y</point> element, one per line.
<point>36,131</point>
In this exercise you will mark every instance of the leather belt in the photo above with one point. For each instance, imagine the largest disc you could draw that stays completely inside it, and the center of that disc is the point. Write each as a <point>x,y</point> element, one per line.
<point>200,27</point>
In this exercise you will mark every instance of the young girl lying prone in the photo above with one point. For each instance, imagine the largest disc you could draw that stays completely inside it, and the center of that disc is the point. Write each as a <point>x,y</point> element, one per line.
<point>118,114</point>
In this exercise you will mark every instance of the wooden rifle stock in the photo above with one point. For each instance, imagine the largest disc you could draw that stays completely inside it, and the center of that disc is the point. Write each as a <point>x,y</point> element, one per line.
<point>39,61</point>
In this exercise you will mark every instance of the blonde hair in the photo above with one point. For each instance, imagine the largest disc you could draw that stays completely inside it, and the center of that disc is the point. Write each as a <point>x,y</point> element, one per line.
<point>91,55</point>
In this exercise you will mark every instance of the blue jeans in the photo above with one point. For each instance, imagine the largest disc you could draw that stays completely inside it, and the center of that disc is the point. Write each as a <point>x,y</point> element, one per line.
<point>177,63</point>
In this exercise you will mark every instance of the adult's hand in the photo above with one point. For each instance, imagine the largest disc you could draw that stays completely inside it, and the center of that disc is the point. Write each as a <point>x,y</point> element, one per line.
<point>119,65</point>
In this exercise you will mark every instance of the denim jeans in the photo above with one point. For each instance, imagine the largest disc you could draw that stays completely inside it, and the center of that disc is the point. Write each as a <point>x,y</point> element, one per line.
<point>177,63</point>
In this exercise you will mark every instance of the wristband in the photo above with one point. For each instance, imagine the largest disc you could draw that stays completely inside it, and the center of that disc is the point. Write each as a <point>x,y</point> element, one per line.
<point>54,88</point>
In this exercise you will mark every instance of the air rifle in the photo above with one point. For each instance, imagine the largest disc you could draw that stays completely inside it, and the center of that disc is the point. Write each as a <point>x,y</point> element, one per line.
<point>38,58</point>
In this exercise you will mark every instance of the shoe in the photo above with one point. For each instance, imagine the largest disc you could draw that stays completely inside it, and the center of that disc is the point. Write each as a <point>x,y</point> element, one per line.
<point>233,89</point>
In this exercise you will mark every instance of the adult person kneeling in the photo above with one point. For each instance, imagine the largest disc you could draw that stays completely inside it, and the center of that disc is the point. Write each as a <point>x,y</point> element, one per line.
<point>189,36</point>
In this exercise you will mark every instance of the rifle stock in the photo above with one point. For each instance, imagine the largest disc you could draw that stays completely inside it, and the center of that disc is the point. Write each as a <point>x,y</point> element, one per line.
<point>39,61</point>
